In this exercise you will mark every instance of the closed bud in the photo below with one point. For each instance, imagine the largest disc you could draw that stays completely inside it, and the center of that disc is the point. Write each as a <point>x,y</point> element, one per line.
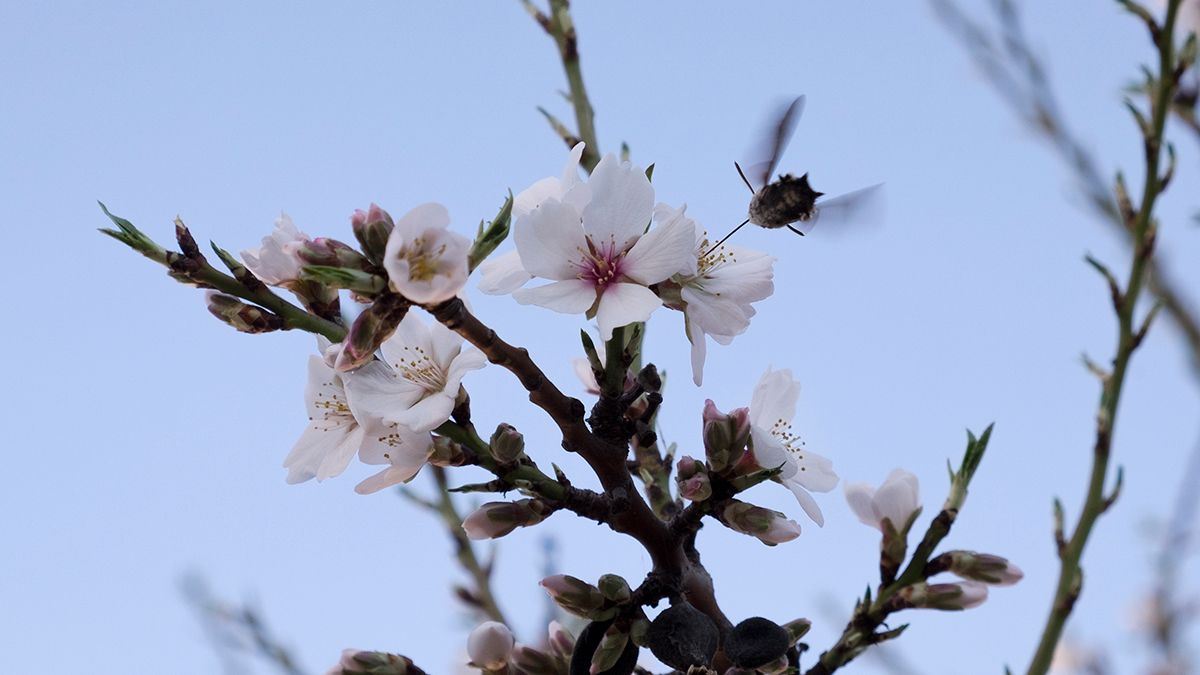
<point>770,527</point>
<point>490,645</point>
<point>614,588</point>
<point>355,662</point>
<point>575,596</point>
<point>372,229</point>
<point>797,629</point>
<point>953,596</point>
<point>694,484</point>
<point>561,641</point>
<point>375,324</point>
<point>725,436</point>
<point>776,667</point>
<point>243,317</point>
<point>990,569</point>
<point>496,519</point>
<point>508,445</point>
<point>447,452</point>
<point>534,662</point>
<point>331,253</point>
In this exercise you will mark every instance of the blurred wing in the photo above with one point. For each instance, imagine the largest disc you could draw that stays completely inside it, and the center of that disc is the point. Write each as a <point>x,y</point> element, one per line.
<point>772,141</point>
<point>859,208</point>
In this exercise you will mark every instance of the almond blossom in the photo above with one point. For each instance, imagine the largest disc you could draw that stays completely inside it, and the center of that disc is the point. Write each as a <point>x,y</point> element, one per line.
<point>275,262</point>
<point>426,262</point>
<point>897,500</point>
<point>774,445</point>
<point>593,246</point>
<point>417,383</point>
<point>716,296</point>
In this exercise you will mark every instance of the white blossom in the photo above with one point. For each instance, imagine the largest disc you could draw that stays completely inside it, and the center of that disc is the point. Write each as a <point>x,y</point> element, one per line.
<point>896,500</point>
<point>593,246</point>
<point>417,382</point>
<point>490,645</point>
<point>426,262</point>
<point>276,262</point>
<point>775,445</point>
<point>716,295</point>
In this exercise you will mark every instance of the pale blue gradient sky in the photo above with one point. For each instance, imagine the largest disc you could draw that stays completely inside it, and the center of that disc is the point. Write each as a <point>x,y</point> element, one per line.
<point>144,439</point>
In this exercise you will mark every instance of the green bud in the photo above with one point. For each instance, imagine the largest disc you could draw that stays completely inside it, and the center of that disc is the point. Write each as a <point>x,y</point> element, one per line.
<point>614,588</point>
<point>508,445</point>
<point>243,317</point>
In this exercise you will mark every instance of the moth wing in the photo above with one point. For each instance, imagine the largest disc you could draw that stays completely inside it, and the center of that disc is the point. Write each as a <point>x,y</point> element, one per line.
<point>772,141</point>
<point>863,207</point>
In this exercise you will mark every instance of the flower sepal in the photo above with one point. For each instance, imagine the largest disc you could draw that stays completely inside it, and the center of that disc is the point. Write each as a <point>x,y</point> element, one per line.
<point>491,236</point>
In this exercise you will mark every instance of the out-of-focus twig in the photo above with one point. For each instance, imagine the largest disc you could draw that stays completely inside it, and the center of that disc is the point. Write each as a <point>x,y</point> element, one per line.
<point>1019,76</point>
<point>237,628</point>
<point>479,596</point>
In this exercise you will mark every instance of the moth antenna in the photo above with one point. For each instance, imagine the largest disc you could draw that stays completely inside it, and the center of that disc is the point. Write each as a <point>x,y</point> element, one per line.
<point>744,180</point>
<point>795,230</point>
<point>723,239</point>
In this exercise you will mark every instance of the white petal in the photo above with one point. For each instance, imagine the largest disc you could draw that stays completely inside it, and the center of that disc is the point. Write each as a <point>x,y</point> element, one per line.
<point>316,444</point>
<point>715,315</point>
<point>531,197</point>
<point>664,250</point>
<point>550,241</point>
<point>376,391</point>
<point>573,296</point>
<point>770,453</point>
<point>666,215</point>
<point>336,461</point>
<point>412,335</point>
<point>503,274</point>
<point>414,224</point>
<point>623,304</point>
<point>445,345</point>
<point>427,413</point>
<point>386,478</point>
<point>468,360</point>
<point>774,399</point>
<point>815,471</point>
<point>621,206</point>
<point>807,503</point>
<point>897,498</point>
<point>858,496</point>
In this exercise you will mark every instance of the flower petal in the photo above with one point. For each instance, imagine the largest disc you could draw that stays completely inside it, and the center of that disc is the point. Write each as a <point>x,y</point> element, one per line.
<point>377,391</point>
<point>503,274</point>
<point>550,241</point>
<point>663,251</point>
<point>858,496</point>
<point>623,304</point>
<point>699,349</point>
<point>621,205</point>
<point>427,413</point>
<point>774,399</point>
<point>807,503</point>
<point>573,296</point>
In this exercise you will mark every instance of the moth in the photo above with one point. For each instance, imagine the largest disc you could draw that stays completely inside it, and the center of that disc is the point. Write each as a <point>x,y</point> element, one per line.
<point>792,202</point>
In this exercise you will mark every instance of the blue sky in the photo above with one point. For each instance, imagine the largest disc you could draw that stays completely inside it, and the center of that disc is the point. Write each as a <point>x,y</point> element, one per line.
<point>144,439</point>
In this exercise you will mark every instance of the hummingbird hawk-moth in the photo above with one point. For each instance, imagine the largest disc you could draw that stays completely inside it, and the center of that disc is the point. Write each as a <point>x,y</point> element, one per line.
<point>789,201</point>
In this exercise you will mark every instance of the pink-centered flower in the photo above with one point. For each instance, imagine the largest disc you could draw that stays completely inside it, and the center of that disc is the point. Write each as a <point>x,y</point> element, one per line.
<point>417,383</point>
<point>594,247</point>
<point>716,295</point>
<point>775,445</point>
<point>275,262</point>
<point>426,262</point>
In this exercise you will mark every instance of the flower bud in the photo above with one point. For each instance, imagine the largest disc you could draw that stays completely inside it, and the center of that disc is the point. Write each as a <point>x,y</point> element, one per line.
<point>796,629</point>
<point>574,595</point>
<point>990,569</point>
<point>331,253</point>
<point>725,436</point>
<point>756,642</point>
<point>770,527</point>
<point>776,667</point>
<point>534,662</point>
<point>355,662</point>
<point>683,636</point>
<point>560,640</point>
<point>375,324</point>
<point>490,645</point>
<point>693,480</point>
<point>447,452</point>
<point>496,519</point>
<point>372,228</point>
<point>243,317</point>
<point>614,588</point>
<point>508,445</point>
<point>953,596</point>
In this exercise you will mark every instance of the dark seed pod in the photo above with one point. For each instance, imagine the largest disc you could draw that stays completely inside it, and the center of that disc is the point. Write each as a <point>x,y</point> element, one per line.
<point>756,642</point>
<point>683,636</point>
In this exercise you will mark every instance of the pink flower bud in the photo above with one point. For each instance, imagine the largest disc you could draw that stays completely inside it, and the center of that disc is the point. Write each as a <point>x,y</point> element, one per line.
<point>696,489</point>
<point>496,519</point>
<point>770,527</point>
<point>561,640</point>
<point>984,567</point>
<point>725,436</point>
<point>573,595</point>
<point>490,645</point>
<point>372,228</point>
<point>952,596</point>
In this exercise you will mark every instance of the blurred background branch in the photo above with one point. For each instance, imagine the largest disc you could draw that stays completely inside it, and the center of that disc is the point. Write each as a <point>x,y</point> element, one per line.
<point>236,631</point>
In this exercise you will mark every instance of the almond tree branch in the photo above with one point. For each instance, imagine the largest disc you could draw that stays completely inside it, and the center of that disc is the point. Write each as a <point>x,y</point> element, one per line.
<point>1142,228</point>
